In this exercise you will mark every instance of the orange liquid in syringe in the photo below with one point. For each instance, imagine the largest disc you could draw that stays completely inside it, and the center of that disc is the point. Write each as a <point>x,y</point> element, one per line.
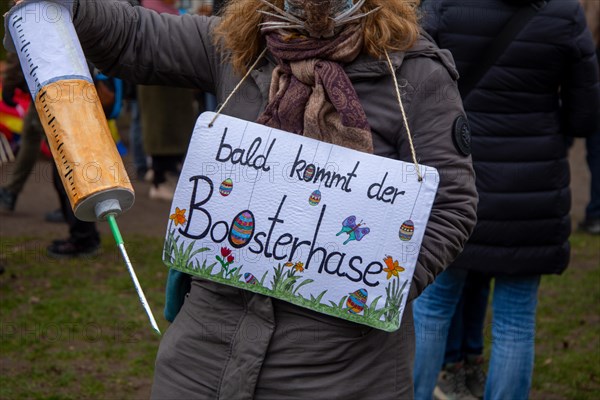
<point>80,140</point>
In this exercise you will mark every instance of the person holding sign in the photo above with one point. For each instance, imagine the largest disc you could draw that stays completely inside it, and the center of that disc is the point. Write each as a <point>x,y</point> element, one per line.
<point>359,75</point>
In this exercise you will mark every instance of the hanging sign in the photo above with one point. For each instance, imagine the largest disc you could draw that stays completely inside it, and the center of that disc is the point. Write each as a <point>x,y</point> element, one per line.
<point>318,225</point>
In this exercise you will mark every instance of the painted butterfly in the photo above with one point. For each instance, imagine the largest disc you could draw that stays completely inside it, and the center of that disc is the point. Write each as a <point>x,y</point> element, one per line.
<point>353,230</point>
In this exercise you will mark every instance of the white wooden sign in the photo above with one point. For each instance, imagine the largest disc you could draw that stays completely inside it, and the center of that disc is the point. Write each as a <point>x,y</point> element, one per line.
<point>318,225</point>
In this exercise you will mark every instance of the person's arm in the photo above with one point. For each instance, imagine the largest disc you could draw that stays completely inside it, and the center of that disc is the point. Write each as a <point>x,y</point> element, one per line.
<point>144,47</point>
<point>433,109</point>
<point>580,90</point>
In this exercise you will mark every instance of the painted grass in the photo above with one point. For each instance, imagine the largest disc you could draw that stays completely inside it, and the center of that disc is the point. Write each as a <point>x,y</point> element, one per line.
<point>75,329</point>
<point>284,285</point>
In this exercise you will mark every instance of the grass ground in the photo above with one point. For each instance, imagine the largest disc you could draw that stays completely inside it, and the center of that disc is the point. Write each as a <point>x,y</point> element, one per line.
<point>75,329</point>
<point>568,327</point>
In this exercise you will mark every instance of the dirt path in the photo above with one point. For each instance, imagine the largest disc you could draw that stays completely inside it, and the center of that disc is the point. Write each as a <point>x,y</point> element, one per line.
<point>149,217</point>
<point>146,217</point>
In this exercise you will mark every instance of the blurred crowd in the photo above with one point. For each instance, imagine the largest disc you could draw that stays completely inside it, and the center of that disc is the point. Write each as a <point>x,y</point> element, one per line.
<point>161,120</point>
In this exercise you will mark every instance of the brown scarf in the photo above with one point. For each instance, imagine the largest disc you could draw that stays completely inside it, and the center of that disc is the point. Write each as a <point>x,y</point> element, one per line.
<point>310,93</point>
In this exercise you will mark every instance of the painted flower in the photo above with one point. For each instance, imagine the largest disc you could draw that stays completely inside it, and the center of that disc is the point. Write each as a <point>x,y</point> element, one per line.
<point>179,217</point>
<point>392,267</point>
<point>225,252</point>
<point>299,267</point>
<point>225,259</point>
<point>288,264</point>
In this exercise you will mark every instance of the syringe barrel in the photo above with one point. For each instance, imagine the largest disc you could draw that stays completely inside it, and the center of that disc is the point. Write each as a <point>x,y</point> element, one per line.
<point>82,146</point>
<point>65,97</point>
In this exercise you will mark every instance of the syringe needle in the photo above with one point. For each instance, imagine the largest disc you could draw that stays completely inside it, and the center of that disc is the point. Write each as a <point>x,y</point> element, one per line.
<point>119,239</point>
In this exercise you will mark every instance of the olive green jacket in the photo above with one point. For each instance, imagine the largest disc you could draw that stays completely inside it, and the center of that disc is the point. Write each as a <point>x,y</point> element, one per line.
<point>144,47</point>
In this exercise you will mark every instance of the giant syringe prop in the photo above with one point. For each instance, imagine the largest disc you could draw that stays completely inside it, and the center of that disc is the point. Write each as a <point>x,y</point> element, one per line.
<point>66,100</point>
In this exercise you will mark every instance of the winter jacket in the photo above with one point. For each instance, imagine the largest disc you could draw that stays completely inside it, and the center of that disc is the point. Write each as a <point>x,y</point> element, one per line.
<point>144,47</point>
<point>543,87</point>
<point>178,51</point>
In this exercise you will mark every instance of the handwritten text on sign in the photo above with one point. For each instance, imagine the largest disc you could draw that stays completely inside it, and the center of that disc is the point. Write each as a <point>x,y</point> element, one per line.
<point>318,225</point>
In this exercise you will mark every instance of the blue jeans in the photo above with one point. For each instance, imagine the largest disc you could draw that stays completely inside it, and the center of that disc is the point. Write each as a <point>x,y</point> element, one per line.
<point>465,335</point>
<point>513,332</point>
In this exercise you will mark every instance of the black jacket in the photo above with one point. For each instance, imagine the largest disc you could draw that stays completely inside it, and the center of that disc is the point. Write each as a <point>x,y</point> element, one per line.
<point>543,87</point>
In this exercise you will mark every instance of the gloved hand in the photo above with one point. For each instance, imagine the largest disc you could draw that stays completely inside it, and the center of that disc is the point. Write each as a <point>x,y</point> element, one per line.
<point>8,95</point>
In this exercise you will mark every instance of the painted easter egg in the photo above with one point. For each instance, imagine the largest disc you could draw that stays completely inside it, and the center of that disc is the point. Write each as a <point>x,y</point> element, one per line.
<point>242,229</point>
<point>309,172</point>
<point>315,198</point>
<point>357,300</point>
<point>226,187</point>
<point>250,279</point>
<point>407,230</point>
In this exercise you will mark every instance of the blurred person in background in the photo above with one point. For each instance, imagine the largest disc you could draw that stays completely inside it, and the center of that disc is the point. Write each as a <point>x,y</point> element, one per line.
<point>539,88</point>
<point>83,239</point>
<point>31,137</point>
<point>136,140</point>
<point>208,101</point>
<point>168,118</point>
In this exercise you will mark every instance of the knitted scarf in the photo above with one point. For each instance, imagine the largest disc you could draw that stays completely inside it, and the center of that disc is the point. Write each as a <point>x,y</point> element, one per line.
<point>310,93</point>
